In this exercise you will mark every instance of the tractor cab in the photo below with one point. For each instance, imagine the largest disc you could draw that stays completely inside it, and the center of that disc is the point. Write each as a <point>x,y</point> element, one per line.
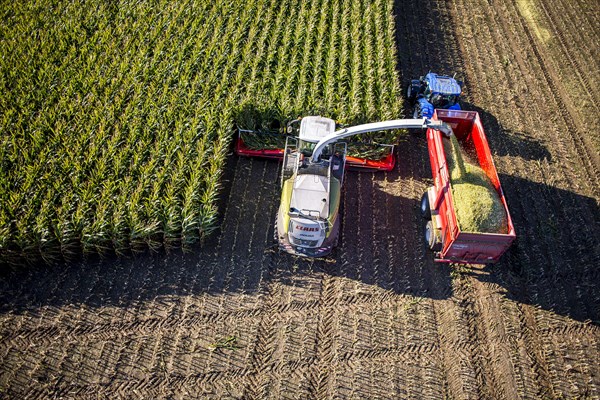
<point>433,91</point>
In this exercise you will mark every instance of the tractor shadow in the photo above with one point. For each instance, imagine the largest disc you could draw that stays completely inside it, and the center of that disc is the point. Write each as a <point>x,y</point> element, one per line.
<point>514,144</point>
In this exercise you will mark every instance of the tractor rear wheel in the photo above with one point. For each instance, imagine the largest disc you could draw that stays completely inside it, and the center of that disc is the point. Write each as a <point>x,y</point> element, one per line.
<point>412,91</point>
<point>433,237</point>
<point>425,208</point>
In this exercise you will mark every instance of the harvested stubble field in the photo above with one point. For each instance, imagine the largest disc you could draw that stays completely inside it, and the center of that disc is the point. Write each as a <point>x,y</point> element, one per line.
<point>236,319</point>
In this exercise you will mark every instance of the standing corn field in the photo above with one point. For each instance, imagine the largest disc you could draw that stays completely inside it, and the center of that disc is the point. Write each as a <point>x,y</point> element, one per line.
<point>117,117</point>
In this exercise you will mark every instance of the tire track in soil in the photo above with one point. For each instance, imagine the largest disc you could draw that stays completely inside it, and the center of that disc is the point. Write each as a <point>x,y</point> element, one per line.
<point>247,254</point>
<point>575,129</point>
<point>171,323</point>
<point>420,54</point>
<point>239,255</point>
<point>319,373</point>
<point>482,325</point>
<point>569,242</point>
<point>349,229</point>
<point>482,85</point>
<point>367,263</point>
<point>382,267</point>
<point>460,362</point>
<point>588,11</point>
<point>583,297</point>
<point>261,378</point>
<point>261,269</point>
<point>227,235</point>
<point>259,225</point>
<point>585,38</point>
<point>569,56</point>
<point>534,335</point>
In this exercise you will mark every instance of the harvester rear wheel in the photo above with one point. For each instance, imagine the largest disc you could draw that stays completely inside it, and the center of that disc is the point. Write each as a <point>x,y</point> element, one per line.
<point>433,237</point>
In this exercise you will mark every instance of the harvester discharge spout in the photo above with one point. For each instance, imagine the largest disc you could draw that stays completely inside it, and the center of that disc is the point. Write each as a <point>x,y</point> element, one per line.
<point>378,126</point>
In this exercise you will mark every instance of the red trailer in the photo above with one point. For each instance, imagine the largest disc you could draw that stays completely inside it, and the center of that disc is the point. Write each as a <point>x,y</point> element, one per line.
<point>442,232</point>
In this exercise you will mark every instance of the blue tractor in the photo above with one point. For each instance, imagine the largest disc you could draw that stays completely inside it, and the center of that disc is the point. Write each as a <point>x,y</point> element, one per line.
<point>433,91</point>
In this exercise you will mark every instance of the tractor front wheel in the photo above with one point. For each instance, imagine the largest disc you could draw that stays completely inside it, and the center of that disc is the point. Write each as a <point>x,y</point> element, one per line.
<point>413,90</point>
<point>417,114</point>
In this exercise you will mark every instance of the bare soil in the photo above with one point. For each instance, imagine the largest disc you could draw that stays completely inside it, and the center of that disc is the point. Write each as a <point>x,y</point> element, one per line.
<point>379,319</point>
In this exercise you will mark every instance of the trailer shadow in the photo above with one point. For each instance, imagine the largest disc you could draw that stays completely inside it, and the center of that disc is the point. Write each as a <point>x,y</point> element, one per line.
<point>553,263</point>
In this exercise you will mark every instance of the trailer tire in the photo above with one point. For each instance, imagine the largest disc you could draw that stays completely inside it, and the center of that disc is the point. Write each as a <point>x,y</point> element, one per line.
<point>425,208</point>
<point>432,237</point>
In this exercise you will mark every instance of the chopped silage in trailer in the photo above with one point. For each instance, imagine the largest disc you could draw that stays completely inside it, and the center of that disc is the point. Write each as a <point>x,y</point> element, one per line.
<point>477,204</point>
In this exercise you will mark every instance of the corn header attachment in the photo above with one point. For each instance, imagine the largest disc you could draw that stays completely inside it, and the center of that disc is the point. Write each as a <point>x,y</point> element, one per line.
<point>361,154</point>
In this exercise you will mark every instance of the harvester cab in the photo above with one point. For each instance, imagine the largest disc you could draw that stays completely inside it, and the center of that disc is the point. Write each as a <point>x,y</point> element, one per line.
<point>433,91</point>
<point>312,176</point>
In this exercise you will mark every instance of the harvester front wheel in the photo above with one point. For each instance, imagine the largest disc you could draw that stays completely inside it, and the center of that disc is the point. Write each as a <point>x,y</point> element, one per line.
<point>287,171</point>
<point>433,237</point>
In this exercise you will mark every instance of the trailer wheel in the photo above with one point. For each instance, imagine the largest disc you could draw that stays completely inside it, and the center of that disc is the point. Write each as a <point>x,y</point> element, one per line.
<point>425,209</point>
<point>432,237</point>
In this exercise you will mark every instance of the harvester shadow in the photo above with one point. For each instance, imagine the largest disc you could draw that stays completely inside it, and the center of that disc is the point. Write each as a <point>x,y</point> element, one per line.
<point>261,117</point>
<point>381,255</point>
<point>266,117</point>
<point>241,258</point>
